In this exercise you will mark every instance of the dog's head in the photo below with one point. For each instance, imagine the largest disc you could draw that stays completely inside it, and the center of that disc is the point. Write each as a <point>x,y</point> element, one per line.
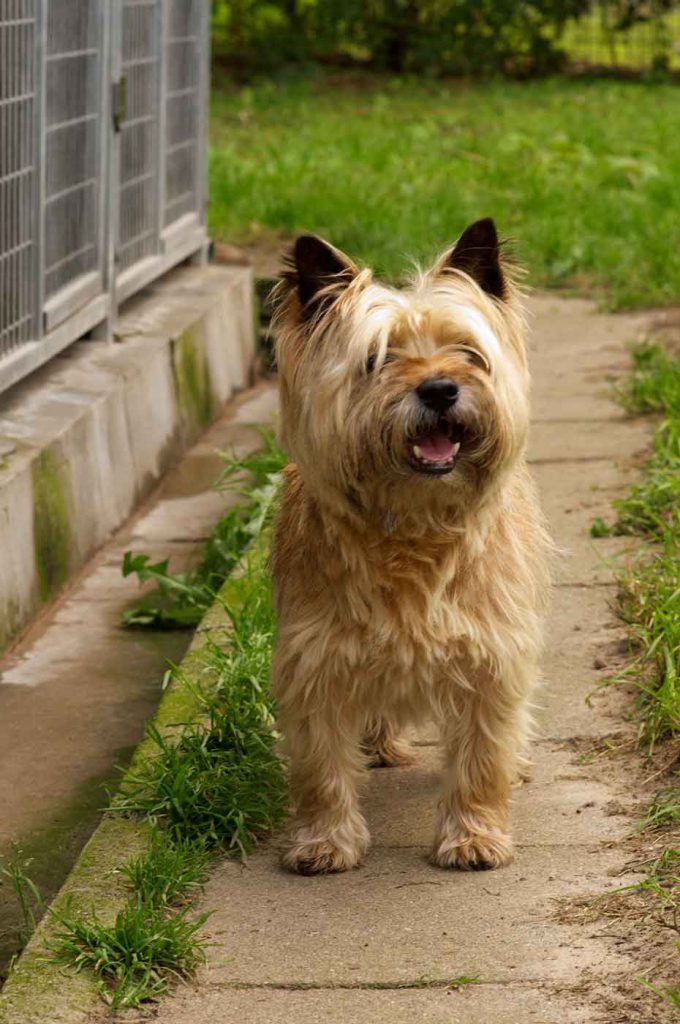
<point>402,399</point>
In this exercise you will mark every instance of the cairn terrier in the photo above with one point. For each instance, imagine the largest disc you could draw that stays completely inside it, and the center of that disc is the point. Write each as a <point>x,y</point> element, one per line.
<point>410,550</point>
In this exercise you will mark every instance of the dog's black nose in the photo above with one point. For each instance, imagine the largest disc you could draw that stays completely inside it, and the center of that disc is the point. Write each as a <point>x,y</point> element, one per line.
<point>438,393</point>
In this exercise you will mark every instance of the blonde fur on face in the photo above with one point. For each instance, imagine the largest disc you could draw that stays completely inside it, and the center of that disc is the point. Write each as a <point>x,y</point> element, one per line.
<point>410,552</point>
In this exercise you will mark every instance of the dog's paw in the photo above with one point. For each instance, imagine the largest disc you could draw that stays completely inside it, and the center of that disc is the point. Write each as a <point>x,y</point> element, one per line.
<point>481,851</point>
<point>392,753</point>
<point>322,857</point>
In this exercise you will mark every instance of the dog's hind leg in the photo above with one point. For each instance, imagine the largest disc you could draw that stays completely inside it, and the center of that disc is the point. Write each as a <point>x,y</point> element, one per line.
<point>328,832</point>
<point>384,746</point>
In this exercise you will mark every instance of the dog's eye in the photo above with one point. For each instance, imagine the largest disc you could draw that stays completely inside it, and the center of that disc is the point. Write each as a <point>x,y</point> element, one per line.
<point>370,363</point>
<point>476,357</point>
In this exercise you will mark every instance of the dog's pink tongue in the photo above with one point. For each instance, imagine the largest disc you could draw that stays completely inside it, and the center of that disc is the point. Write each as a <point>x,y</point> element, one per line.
<point>435,447</point>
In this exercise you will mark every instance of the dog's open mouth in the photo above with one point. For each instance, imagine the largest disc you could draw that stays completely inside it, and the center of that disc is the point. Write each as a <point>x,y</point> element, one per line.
<point>435,452</point>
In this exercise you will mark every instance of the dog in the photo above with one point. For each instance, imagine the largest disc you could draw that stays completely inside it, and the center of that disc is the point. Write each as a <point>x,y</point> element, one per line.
<point>410,556</point>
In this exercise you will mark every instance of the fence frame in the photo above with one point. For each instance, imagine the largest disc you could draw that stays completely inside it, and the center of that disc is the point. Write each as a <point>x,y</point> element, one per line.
<point>88,304</point>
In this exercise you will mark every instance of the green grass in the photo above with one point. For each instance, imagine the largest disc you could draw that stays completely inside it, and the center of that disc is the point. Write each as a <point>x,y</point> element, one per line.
<point>582,174</point>
<point>136,956</point>
<point>650,590</point>
<point>168,872</point>
<point>649,602</point>
<point>222,784</point>
<point>29,900</point>
<point>213,784</point>
<point>664,810</point>
<point>180,600</point>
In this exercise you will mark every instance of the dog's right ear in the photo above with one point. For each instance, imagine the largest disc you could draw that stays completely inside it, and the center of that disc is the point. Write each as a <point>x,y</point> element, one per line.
<point>318,272</point>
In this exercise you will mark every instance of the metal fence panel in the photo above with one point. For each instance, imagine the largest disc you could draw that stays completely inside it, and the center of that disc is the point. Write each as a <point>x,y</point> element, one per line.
<point>94,206</point>
<point>183,109</point>
<point>18,177</point>
<point>72,156</point>
<point>139,142</point>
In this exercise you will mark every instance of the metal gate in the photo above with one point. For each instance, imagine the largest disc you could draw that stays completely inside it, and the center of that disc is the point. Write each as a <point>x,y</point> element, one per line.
<point>103,114</point>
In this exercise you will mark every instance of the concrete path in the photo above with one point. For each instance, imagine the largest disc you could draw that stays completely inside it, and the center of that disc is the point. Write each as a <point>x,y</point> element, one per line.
<point>382,944</point>
<point>76,692</point>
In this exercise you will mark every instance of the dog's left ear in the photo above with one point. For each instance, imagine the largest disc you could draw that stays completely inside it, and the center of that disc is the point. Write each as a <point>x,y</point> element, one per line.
<point>477,253</point>
<point>319,271</point>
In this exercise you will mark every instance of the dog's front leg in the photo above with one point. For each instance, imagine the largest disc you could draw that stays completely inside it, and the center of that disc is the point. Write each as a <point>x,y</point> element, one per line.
<point>328,832</point>
<point>481,741</point>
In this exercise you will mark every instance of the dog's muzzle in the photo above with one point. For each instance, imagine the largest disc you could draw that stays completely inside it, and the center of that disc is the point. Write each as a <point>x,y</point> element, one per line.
<point>433,449</point>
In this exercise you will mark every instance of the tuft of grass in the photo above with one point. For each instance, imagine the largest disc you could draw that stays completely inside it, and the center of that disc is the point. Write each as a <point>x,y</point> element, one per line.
<point>25,891</point>
<point>653,506</point>
<point>393,169</point>
<point>135,957</point>
<point>222,783</point>
<point>464,981</point>
<point>168,873</point>
<point>180,600</point>
<point>664,810</point>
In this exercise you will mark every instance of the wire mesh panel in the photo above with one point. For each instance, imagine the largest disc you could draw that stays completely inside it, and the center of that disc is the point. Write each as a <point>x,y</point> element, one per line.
<point>102,139</point>
<point>72,146</point>
<point>183,108</point>
<point>139,144</point>
<point>18,177</point>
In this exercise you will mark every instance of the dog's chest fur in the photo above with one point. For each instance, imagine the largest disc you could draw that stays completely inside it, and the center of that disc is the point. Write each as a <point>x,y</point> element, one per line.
<point>401,603</point>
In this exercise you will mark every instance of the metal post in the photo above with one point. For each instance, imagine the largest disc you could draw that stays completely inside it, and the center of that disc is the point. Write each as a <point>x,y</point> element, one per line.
<point>203,121</point>
<point>106,168</point>
<point>41,162</point>
<point>161,114</point>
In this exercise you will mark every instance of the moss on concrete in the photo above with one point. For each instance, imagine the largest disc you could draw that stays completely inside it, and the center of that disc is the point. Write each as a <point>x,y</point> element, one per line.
<point>51,852</point>
<point>51,529</point>
<point>10,622</point>
<point>192,380</point>
<point>40,990</point>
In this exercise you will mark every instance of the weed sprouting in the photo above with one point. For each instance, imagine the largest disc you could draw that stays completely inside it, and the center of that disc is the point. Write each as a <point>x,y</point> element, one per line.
<point>168,873</point>
<point>135,957</point>
<point>664,809</point>
<point>26,893</point>
<point>464,981</point>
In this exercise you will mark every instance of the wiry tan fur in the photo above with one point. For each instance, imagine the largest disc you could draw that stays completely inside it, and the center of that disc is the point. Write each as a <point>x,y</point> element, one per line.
<point>402,597</point>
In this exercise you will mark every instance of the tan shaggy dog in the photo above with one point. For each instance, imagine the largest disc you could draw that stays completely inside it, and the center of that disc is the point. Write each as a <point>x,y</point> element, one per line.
<point>410,551</point>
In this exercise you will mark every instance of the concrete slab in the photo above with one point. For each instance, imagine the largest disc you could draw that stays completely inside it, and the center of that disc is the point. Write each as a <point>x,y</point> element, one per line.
<point>400,804</point>
<point>399,919</point>
<point>477,1004</point>
<point>85,438</point>
<point>565,443</point>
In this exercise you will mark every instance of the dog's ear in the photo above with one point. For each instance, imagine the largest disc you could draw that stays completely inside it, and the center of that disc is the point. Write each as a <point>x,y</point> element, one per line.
<point>477,253</point>
<point>319,272</point>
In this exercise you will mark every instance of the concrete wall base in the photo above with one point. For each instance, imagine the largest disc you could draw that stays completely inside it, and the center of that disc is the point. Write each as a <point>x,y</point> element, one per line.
<point>84,439</point>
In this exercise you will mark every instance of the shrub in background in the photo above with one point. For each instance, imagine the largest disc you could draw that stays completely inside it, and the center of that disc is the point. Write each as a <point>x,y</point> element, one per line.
<point>514,37</point>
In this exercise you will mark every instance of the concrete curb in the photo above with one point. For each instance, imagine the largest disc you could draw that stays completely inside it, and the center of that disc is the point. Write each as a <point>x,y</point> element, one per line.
<point>38,990</point>
<point>84,439</point>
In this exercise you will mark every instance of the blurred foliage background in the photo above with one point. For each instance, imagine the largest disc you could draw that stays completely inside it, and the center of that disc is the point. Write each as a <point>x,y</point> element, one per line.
<point>437,37</point>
